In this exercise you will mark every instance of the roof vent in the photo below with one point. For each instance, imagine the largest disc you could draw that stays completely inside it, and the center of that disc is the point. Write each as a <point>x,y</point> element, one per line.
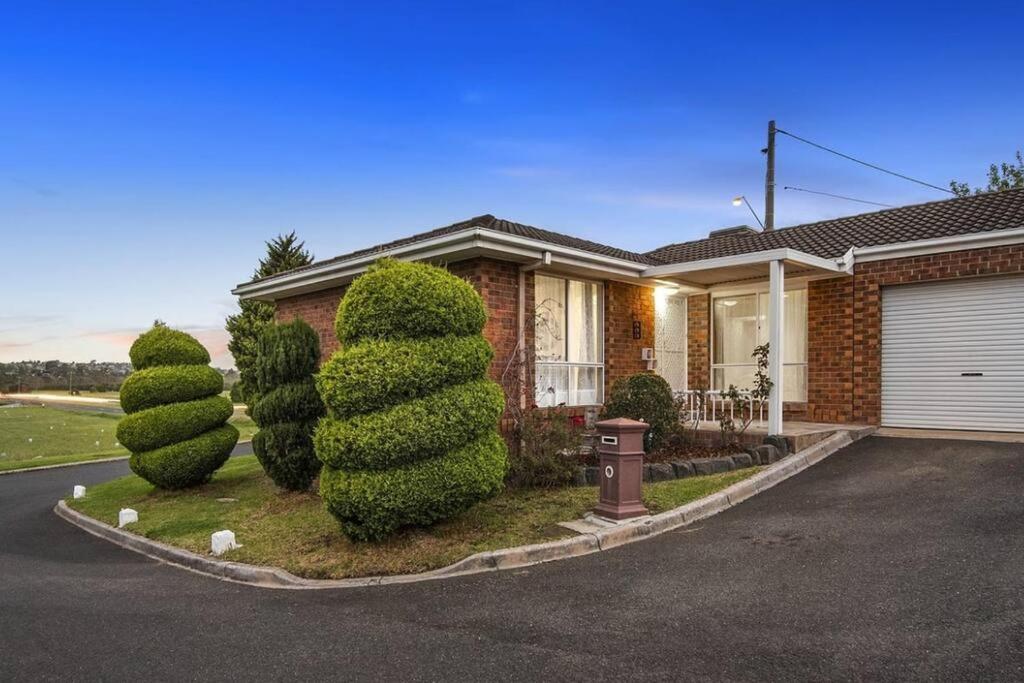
<point>734,230</point>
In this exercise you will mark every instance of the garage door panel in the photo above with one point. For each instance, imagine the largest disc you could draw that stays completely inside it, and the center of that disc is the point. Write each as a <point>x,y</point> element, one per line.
<point>934,333</point>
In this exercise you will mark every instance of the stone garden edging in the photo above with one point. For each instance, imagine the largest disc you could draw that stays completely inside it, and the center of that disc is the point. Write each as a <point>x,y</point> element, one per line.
<point>492,560</point>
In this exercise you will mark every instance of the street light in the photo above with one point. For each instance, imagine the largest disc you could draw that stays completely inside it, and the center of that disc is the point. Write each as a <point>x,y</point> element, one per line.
<point>737,201</point>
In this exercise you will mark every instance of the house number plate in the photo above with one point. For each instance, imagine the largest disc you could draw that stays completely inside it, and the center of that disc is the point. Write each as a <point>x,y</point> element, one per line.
<point>609,472</point>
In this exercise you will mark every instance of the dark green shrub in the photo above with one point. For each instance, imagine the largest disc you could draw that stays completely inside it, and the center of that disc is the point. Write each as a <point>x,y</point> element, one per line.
<point>371,504</point>
<point>293,402</point>
<point>164,346</point>
<point>547,451</point>
<point>236,394</point>
<point>287,405</point>
<point>411,437</point>
<point>400,300</point>
<point>415,430</point>
<point>286,449</point>
<point>175,422</point>
<point>186,463</point>
<point>376,373</point>
<point>161,385</point>
<point>647,397</point>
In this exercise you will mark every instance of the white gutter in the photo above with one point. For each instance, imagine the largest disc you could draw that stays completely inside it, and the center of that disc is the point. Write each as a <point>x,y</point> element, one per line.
<point>976,240</point>
<point>475,238</point>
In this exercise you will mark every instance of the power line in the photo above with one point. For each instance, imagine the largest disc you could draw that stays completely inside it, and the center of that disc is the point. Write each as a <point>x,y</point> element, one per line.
<point>863,163</point>
<point>839,196</point>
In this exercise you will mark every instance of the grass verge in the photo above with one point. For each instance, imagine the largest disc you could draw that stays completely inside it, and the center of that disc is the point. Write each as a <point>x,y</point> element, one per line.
<point>294,532</point>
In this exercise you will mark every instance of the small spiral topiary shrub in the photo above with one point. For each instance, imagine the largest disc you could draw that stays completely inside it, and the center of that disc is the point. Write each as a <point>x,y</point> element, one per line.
<point>175,419</point>
<point>287,406</point>
<point>410,436</point>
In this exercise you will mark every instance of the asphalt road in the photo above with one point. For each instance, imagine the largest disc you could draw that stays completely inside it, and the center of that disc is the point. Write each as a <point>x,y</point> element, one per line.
<point>893,559</point>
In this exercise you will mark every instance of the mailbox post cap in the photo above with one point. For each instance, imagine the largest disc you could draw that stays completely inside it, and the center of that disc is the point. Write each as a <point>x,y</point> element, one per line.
<point>622,424</point>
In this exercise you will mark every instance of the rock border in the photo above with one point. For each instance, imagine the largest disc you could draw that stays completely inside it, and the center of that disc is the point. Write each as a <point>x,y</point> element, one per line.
<point>493,560</point>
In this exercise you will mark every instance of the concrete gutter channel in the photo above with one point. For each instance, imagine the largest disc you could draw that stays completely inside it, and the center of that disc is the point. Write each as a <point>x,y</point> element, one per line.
<point>494,560</point>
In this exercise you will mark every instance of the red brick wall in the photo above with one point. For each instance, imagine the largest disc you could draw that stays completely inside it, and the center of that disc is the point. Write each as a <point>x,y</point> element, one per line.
<point>830,350</point>
<point>319,310</point>
<point>624,303</point>
<point>698,341</point>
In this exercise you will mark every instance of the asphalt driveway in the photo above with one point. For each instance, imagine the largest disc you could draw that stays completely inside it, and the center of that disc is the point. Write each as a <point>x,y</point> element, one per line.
<point>892,559</point>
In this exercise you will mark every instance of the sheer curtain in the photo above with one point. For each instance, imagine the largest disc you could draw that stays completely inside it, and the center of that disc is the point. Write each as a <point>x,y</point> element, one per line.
<point>569,338</point>
<point>741,323</point>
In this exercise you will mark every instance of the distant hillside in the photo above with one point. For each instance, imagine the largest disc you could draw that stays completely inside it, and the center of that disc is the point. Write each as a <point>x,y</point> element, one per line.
<point>34,375</point>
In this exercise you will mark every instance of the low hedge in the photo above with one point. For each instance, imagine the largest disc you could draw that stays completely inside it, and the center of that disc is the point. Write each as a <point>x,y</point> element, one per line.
<point>186,463</point>
<point>164,425</point>
<point>399,300</point>
<point>163,346</point>
<point>161,385</point>
<point>285,450</point>
<point>294,402</point>
<point>374,374</point>
<point>372,504</point>
<point>412,431</point>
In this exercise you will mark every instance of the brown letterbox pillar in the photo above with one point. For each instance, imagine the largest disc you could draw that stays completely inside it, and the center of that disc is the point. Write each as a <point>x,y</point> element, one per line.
<point>621,451</point>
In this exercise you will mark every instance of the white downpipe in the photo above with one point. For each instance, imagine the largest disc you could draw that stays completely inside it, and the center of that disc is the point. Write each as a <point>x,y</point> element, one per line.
<point>776,318</point>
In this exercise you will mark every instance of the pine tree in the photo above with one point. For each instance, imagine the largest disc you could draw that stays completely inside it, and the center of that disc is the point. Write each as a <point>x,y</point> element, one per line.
<point>284,252</point>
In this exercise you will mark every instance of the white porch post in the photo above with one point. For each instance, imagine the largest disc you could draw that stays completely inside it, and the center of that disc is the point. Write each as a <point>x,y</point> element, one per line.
<point>776,342</point>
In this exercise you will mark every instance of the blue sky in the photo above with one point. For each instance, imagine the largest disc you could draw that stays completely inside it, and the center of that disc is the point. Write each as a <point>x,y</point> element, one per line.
<point>147,150</point>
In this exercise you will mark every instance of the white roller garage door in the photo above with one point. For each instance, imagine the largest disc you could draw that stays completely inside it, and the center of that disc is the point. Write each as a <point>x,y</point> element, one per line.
<point>953,355</point>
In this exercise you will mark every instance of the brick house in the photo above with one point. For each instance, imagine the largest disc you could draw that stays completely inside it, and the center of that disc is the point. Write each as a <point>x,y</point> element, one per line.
<point>910,317</point>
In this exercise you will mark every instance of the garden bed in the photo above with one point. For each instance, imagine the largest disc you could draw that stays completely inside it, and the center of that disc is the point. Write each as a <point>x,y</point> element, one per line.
<point>294,532</point>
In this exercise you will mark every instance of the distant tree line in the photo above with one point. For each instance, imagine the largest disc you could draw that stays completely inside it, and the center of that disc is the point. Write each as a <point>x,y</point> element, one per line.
<point>38,375</point>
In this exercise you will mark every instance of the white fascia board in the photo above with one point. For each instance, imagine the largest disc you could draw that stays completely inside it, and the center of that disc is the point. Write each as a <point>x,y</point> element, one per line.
<point>747,259</point>
<point>489,241</point>
<point>976,240</point>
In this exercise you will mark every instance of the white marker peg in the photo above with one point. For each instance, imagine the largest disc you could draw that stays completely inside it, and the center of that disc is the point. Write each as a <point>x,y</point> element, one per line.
<point>79,491</point>
<point>126,516</point>
<point>222,541</point>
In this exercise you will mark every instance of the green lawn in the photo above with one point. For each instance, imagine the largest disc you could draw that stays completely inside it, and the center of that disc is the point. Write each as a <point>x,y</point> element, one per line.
<point>33,436</point>
<point>36,436</point>
<point>293,531</point>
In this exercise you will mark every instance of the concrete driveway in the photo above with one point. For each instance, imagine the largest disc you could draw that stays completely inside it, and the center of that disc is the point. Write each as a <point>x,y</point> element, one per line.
<point>893,559</point>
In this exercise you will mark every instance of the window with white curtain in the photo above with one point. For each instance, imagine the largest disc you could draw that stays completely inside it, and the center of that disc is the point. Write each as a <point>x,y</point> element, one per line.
<point>569,334</point>
<point>740,324</point>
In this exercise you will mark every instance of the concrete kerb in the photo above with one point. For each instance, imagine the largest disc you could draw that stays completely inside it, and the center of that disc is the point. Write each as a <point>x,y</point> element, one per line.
<point>493,560</point>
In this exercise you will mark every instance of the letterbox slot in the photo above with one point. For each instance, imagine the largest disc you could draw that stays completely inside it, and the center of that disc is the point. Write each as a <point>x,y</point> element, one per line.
<point>610,440</point>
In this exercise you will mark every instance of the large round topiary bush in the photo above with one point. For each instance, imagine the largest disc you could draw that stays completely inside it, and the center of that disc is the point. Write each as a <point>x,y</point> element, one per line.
<point>286,405</point>
<point>411,432</point>
<point>175,419</point>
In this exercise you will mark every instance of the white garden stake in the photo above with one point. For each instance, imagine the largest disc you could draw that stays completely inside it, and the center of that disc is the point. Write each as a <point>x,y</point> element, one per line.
<point>79,491</point>
<point>222,541</point>
<point>126,516</point>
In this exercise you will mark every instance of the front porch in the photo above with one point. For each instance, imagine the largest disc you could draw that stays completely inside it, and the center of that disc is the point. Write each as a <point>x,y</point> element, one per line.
<point>799,435</point>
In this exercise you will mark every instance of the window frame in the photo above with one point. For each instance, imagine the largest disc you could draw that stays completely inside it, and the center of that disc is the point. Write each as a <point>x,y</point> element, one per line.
<point>756,293</point>
<point>599,365</point>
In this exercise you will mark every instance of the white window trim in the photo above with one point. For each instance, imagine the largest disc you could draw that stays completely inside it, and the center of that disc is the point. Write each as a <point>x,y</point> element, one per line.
<point>600,338</point>
<point>756,292</point>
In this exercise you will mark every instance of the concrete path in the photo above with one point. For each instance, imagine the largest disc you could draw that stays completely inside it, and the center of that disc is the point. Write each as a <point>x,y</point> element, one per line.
<point>894,559</point>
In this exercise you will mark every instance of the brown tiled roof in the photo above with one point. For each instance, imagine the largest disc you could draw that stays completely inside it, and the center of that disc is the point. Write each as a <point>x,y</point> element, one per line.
<point>828,239</point>
<point>832,238</point>
<point>488,222</point>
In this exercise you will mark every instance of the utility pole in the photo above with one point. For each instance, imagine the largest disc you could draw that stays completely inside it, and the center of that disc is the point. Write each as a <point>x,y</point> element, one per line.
<point>71,374</point>
<point>769,180</point>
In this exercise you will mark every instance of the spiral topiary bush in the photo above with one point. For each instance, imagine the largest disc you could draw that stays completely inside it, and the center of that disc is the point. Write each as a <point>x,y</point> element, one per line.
<point>287,406</point>
<point>175,419</point>
<point>410,436</point>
